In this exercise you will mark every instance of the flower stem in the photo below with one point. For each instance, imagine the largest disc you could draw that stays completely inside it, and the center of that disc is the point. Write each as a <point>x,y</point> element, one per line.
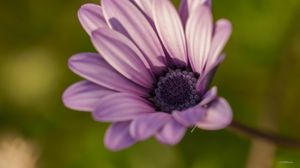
<point>267,136</point>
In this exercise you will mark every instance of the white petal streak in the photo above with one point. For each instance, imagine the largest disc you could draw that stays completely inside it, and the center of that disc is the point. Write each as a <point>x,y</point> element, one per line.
<point>170,30</point>
<point>94,68</point>
<point>199,33</point>
<point>188,6</point>
<point>125,18</point>
<point>146,6</point>
<point>123,55</point>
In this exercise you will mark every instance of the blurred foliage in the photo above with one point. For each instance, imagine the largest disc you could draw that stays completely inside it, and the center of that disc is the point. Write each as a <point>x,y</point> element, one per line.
<point>262,65</point>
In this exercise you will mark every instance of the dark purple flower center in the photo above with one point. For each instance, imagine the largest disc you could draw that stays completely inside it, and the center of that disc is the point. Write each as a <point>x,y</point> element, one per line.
<point>176,91</point>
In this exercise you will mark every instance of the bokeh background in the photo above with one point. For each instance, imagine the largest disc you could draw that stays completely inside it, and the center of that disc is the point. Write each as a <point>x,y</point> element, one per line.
<point>260,78</point>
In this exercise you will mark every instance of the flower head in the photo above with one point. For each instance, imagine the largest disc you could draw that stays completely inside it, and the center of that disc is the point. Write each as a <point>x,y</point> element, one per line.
<point>151,75</point>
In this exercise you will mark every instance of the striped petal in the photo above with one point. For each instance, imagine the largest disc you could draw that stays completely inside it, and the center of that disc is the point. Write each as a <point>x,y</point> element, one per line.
<point>170,30</point>
<point>199,33</point>
<point>91,17</point>
<point>188,6</point>
<point>121,107</point>
<point>94,68</point>
<point>123,55</point>
<point>84,96</point>
<point>125,18</point>
<point>145,6</point>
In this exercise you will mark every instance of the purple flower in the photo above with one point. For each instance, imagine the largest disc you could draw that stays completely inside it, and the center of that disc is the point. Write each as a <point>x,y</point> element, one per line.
<point>153,69</point>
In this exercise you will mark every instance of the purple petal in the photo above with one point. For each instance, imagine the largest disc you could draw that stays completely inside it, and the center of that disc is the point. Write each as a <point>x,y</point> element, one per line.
<point>171,133</point>
<point>188,6</point>
<point>91,17</point>
<point>219,115</point>
<point>145,6</point>
<point>222,33</point>
<point>92,67</point>
<point>117,136</point>
<point>208,74</point>
<point>121,107</point>
<point>147,125</point>
<point>209,96</point>
<point>124,17</point>
<point>190,116</point>
<point>123,55</point>
<point>84,96</point>
<point>170,30</point>
<point>199,33</point>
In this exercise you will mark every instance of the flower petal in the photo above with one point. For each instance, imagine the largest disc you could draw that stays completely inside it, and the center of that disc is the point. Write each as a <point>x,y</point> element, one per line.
<point>222,33</point>
<point>171,133</point>
<point>147,125</point>
<point>117,136</point>
<point>145,6</point>
<point>123,55</point>
<point>84,96</point>
<point>91,17</point>
<point>209,96</point>
<point>219,115</point>
<point>125,18</point>
<point>208,74</point>
<point>170,30</point>
<point>94,68</point>
<point>121,107</point>
<point>189,117</point>
<point>188,6</point>
<point>199,33</point>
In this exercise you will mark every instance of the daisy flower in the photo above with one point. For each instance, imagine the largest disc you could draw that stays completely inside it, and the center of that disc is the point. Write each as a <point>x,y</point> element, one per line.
<point>152,70</point>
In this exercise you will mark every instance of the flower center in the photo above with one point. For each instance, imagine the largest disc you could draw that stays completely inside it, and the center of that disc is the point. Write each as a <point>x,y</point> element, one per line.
<point>176,91</point>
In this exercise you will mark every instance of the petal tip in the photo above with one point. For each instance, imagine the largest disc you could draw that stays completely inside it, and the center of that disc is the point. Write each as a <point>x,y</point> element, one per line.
<point>117,137</point>
<point>219,115</point>
<point>226,25</point>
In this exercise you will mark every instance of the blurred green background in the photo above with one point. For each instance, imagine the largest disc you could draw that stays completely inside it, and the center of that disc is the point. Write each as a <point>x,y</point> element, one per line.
<point>260,78</point>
